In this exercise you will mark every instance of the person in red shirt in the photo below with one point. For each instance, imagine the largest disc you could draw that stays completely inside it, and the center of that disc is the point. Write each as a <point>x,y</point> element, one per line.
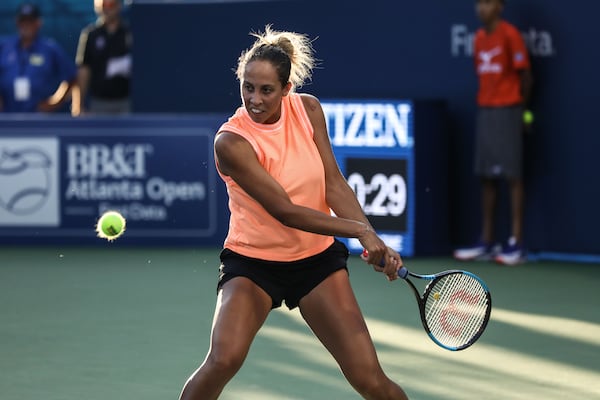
<point>503,68</point>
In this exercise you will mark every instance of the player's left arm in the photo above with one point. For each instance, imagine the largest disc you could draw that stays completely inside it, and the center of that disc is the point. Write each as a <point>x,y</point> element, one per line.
<point>339,195</point>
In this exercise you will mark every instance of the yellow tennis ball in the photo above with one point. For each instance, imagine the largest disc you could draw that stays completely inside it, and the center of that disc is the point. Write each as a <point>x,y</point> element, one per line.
<point>110,225</point>
<point>436,296</point>
<point>528,117</point>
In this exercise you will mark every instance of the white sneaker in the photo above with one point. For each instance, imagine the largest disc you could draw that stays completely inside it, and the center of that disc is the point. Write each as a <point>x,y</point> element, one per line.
<point>511,254</point>
<point>480,252</point>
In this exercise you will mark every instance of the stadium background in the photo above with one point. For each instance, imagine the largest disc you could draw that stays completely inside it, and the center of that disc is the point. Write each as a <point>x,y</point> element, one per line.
<point>101,321</point>
<point>184,52</point>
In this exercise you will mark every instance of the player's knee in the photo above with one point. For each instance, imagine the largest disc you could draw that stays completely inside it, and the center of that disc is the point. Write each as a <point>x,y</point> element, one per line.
<point>370,386</point>
<point>374,385</point>
<point>226,363</point>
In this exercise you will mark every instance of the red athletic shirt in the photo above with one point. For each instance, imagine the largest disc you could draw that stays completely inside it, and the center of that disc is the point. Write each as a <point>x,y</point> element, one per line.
<point>499,56</point>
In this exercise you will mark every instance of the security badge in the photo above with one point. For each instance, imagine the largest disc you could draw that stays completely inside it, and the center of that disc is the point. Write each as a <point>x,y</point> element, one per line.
<point>22,87</point>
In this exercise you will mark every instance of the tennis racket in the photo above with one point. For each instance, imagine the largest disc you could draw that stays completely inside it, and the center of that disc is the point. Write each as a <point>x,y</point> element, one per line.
<point>455,306</point>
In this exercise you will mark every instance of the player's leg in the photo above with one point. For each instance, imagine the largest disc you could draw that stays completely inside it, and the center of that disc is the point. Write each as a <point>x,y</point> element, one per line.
<point>332,312</point>
<point>242,307</point>
<point>489,191</point>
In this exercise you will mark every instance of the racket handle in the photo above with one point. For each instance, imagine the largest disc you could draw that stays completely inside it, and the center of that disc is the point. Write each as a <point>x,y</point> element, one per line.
<point>402,271</point>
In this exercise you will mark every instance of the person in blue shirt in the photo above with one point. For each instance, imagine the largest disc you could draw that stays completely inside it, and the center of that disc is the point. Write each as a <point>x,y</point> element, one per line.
<point>35,73</point>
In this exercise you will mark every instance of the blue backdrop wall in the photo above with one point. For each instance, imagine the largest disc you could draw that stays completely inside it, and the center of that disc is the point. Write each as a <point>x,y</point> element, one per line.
<point>185,53</point>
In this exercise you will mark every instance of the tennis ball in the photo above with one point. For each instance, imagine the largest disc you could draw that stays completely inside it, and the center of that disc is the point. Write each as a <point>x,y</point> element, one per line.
<point>436,296</point>
<point>110,225</point>
<point>527,117</point>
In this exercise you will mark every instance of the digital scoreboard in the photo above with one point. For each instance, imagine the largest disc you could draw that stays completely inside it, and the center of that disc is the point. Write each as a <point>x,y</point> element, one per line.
<point>373,141</point>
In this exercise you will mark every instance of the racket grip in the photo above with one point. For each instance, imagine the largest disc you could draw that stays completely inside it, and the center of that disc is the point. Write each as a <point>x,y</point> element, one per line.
<point>402,271</point>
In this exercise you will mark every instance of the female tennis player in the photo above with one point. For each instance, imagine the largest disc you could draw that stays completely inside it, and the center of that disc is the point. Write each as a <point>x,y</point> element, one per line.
<point>283,181</point>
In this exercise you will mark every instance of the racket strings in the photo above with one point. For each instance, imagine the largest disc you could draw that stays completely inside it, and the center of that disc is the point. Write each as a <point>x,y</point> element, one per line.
<point>456,309</point>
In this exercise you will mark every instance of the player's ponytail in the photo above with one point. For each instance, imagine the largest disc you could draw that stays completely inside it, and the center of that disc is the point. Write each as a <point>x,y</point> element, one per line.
<point>290,53</point>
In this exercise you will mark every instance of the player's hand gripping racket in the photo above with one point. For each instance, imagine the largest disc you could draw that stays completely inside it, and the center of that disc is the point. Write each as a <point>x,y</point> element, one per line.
<point>455,306</point>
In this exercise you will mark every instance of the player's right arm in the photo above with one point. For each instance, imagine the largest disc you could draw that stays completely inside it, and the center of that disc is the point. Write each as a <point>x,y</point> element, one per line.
<point>236,158</point>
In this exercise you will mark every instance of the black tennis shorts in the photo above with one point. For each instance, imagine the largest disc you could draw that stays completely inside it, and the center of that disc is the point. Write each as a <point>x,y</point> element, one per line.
<point>289,281</point>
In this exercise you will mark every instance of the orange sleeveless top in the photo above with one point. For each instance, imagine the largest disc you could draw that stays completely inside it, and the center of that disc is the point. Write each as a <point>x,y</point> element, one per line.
<point>288,153</point>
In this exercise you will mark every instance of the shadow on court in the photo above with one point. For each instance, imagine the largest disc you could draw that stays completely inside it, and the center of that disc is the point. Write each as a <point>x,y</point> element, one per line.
<point>116,323</point>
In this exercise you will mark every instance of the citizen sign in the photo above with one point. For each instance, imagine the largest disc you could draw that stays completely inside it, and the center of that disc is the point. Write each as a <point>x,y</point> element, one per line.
<point>354,124</point>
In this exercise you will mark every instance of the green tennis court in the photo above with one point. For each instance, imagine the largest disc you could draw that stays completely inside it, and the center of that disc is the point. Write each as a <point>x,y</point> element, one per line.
<point>114,323</point>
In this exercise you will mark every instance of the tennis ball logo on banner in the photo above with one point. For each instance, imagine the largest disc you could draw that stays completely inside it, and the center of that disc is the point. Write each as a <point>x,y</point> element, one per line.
<point>25,177</point>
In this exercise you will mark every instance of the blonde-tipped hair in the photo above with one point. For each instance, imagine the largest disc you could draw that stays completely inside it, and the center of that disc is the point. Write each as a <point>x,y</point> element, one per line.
<point>274,46</point>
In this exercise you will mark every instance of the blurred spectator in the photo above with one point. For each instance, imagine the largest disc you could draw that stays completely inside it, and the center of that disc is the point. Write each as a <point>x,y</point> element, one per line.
<point>35,73</point>
<point>503,68</point>
<point>104,61</point>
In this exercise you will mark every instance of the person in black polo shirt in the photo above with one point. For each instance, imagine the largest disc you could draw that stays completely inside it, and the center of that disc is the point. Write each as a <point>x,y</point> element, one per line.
<point>104,61</point>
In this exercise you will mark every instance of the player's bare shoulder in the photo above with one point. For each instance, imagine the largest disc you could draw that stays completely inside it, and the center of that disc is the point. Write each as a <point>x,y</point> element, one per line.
<point>231,150</point>
<point>226,141</point>
<point>314,110</point>
<point>311,103</point>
